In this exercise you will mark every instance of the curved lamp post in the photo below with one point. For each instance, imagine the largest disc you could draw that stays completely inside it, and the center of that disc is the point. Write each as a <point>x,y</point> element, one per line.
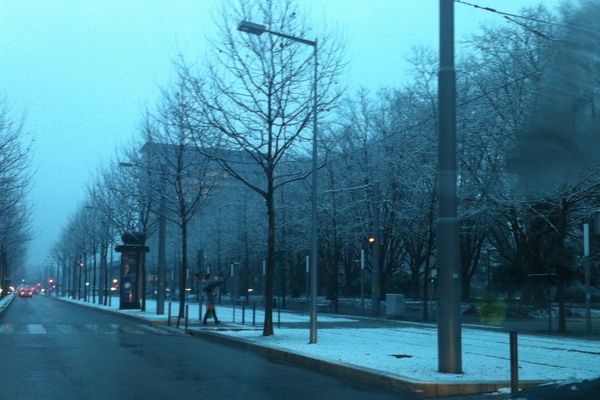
<point>257,29</point>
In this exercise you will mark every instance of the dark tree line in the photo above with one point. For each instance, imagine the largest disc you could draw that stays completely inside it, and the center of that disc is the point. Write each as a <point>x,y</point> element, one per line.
<point>230,156</point>
<point>15,212</point>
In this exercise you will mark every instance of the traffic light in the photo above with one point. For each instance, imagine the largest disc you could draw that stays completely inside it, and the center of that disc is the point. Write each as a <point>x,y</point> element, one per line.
<point>371,240</point>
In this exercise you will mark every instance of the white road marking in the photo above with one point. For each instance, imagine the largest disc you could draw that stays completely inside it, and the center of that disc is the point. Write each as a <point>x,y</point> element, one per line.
<point>36,329</point>
<point>70,329</point>
<point>65,328</point>
<point>130,331</point>
<point>155,330</point>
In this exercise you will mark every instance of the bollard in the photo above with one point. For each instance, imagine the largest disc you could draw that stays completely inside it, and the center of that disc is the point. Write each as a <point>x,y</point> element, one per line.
<point>253,314</point>
<point>187,309</point>
<point>169,315</point>
<point>233,320</point>
<point>514,363</point>
<point>244,314</point>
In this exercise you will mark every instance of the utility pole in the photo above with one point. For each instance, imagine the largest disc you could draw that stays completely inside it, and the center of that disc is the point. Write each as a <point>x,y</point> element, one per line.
<point>449,324</point>
<point>362,280</point>
<point>586,262</point>
<point>162,257</point>
<point>376,272</point>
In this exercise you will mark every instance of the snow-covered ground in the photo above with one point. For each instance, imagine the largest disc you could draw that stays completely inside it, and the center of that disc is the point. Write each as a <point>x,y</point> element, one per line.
<point>224,313</point>
<point>409,350</point>
<point>485,353</point>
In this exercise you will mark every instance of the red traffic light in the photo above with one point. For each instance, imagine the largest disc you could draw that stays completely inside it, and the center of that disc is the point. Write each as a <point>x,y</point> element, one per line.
<point>81,264</point>
<point>50,281</point>
<point>371,240</point>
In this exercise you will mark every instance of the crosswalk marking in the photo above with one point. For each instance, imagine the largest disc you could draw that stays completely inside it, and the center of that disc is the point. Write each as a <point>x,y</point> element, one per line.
<point>65,328</point>
<point>155,330</point>
<point>129,331</point>
<point>36,329</point>
<point>71,329</point>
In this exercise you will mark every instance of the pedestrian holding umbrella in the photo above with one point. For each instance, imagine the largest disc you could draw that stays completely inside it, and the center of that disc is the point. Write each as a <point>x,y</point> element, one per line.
<point>210,289</point>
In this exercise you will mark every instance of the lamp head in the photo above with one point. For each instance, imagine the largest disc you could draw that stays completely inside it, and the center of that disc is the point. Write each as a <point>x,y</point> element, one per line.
<point>252,28</point>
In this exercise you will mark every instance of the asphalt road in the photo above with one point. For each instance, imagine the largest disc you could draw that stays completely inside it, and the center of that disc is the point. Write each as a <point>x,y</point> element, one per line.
<point>54,350</point>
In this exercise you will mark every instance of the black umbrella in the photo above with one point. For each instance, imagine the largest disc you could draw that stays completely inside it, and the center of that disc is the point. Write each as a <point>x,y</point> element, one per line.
<point>212,285</point>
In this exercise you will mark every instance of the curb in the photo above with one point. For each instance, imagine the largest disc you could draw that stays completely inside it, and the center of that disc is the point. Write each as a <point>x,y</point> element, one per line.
<point>113,312</point>
<point>7,304</point>
<point>362,375</point>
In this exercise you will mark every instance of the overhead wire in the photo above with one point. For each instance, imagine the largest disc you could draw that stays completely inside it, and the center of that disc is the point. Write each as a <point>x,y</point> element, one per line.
<point>510,17</point>
<point>507,14</point>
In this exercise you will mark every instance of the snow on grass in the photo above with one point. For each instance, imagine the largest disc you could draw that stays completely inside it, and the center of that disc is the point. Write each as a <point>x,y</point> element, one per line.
<point>411,352</point>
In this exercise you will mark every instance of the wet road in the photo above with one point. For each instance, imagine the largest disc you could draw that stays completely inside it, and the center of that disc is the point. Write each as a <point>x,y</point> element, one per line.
<point>54,350</point>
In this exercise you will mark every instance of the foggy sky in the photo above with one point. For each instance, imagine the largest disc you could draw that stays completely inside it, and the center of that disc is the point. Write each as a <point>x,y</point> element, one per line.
<point>82,71</point>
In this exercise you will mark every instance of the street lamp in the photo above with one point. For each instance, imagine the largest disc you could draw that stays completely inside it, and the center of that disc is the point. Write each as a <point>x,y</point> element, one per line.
<point>257,29</point>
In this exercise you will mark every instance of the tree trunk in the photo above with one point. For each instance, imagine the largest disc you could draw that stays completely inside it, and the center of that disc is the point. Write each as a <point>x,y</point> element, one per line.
<point>94,282</point>
<point>416,284</point>
<point>560,297</point>
<point>143,286</point>
<point>4,291</point>
<point>425,291</point>
<point>103,261</point>
<point>183,272</point>
<point>268,325</point>
<point>466,287</point>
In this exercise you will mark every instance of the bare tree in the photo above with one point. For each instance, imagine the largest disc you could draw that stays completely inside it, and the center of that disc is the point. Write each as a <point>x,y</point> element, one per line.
<point>255,98</point>
<point>14,182</point>
<point>187,175</point>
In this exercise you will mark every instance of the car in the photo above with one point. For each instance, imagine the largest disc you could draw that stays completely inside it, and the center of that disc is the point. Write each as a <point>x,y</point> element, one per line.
<point>26,291</point>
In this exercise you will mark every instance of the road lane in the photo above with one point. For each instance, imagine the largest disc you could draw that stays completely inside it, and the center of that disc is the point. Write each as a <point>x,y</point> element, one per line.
<point>51,349</point>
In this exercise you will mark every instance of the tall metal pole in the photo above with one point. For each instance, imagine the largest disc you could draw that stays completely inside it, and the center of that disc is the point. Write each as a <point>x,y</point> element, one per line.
<point>112,248</point>
<point>307,279</point>
<point>376,271</point>
<point>362,280</point>
<point>264,277</point>
<point>162,257</point>
<point>449,325</point>
<point>586,261</point>
<point>588,312</point>
<point>313,252</point>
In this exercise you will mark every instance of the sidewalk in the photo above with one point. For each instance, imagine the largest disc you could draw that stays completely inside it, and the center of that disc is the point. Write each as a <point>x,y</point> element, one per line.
<point>394,354</point>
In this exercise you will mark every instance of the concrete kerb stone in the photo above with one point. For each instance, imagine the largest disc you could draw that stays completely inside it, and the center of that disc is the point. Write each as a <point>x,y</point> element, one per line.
<point>115,312</point>
<point>8,303</point>
<point>363,375</point>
